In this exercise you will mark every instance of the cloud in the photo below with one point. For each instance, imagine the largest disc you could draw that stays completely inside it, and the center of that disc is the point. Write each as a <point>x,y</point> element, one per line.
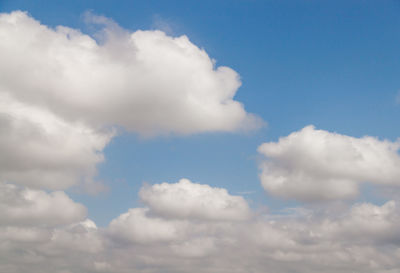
<point>79,237</point>
<point>70,248</point>
<point>38,226</point>
<point>40,149</point>
<point>191,200</point>
<point>28,207</point>
<point>312,164</point>
<point>333,240</point>
<point>137,226</point>
<point>367,223</point>
<point>144,81</point>
<point>360,238</point>
<point>63,93</point>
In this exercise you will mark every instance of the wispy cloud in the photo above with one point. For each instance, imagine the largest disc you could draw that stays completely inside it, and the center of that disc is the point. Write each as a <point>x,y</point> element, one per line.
<point>163,24</point>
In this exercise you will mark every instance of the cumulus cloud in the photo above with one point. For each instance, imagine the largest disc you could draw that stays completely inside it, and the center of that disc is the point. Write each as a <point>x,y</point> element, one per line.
<point>315,164</point>
<point>137,226</point>
<point>367,222</point>
<point>81,237</point>
<point>144,81</point>
<point>62,92</point>
<point>343,241</point>
<point>41,231</point>
<point>71,248</point>
<point>40,149</point>
<point>361,238</point>
<point>28,207</point>
<point>185,199</point>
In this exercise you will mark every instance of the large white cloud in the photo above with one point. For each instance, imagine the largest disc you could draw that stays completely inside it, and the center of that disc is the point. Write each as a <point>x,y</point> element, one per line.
<point>318,165</point>
<point>185,199</point>
<point>145,81</point>
<point>61,92</point>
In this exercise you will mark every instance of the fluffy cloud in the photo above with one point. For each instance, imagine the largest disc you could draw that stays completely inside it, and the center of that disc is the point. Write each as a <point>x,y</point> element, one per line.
<point>27,207</point>
<point>40,149</point>
<point>171,210</point>
<point>137,226</point>
<point>41,231</point>
<point>304,242</point>
<point>362,238</point>
<point>367,223</point>
<point>61,91</point>
<point>71,248</point>
<point>191,200</point>
<point>318,165</point>
<point>81,237</point>
<point>145,81</point>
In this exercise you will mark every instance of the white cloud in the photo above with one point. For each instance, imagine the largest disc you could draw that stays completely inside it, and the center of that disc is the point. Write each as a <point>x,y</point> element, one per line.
<point>43,231</point>
<point>145,81</point>
<point>306,243</point>
<point>81,237</point>
<point>185,199</point>
<point>27,207</point>
<point>367,223</point>
<point>61,91</point>
<point>318,165</point>
<point>362,238</point>
<point>137,226</point>
<point>40,149</point>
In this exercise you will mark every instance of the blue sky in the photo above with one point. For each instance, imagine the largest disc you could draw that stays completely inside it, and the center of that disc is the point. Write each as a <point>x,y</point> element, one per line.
<point>331,64</point>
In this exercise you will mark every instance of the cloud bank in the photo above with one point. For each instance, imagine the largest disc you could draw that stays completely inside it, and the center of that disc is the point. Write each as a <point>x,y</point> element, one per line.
<point>362,238</point>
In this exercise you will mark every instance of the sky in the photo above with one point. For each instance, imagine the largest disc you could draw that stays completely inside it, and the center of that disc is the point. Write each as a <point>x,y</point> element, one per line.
<point>199,136</point>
